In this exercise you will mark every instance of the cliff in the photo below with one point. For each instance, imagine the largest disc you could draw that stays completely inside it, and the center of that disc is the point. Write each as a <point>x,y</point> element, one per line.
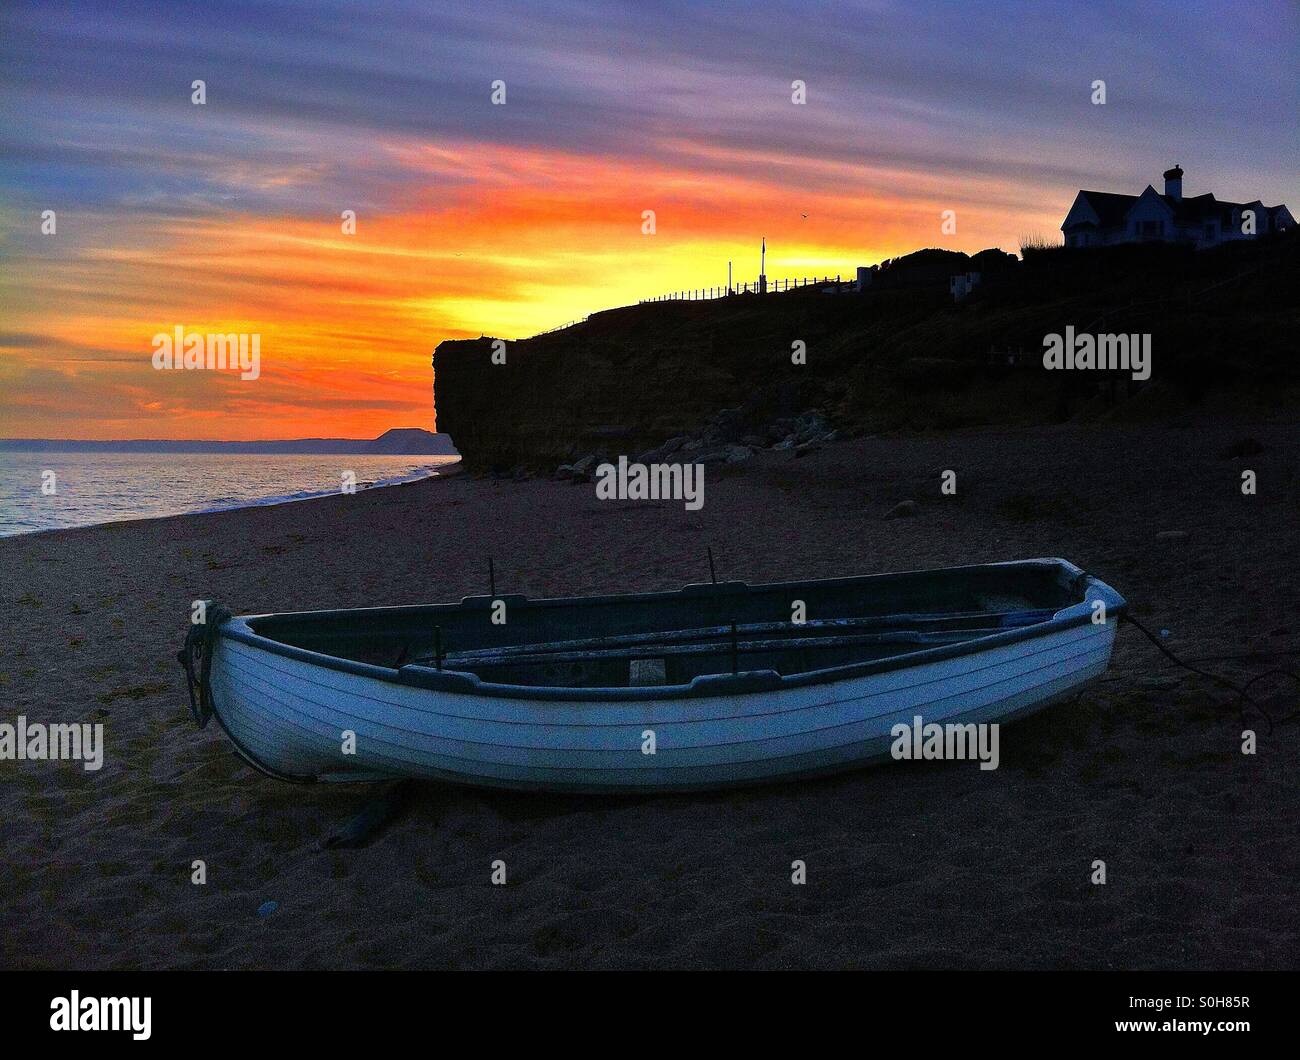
<point>629,378</point>
<point>900,355</point>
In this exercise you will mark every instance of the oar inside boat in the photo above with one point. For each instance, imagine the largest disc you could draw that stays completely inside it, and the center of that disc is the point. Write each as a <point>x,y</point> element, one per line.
<point>679,656</point>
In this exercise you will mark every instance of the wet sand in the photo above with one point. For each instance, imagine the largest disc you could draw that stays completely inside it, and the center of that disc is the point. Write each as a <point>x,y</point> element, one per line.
<point>908,865</point>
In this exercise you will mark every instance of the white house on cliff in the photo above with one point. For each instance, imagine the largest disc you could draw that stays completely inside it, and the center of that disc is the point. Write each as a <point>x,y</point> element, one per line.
<point>1100,218</point>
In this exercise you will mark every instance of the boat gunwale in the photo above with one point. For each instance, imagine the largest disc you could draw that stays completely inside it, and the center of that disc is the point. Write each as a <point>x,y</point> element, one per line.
<point>705,685</point>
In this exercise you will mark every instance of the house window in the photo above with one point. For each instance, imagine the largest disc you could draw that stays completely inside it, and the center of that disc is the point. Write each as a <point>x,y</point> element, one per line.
<point>1151,229</point>
<point>1211,232</point>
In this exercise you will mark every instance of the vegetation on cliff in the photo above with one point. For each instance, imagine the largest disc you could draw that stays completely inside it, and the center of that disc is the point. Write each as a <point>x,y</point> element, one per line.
<point>899,355</point>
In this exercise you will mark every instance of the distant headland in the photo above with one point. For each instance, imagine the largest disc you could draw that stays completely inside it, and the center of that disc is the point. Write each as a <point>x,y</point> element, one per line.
<point>400,441</point>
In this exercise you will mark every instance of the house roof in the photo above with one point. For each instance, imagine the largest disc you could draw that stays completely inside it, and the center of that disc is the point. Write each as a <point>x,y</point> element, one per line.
<point>1197,208</point>
<point>1112,208</point>
<point>1109,207</point>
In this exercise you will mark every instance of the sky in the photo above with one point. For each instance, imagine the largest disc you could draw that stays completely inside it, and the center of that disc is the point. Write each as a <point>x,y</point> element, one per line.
<point>506,219</point>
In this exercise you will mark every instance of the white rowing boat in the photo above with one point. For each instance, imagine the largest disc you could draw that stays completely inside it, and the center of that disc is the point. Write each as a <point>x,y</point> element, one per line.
<point>709,686</point>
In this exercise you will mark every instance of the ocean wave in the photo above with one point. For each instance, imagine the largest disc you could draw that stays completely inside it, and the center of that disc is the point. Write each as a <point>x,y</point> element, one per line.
<point>98,489</point>
<point>226,504</point>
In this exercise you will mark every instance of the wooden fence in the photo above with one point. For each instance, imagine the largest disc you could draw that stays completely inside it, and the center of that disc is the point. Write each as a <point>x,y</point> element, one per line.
<point>773,287</point>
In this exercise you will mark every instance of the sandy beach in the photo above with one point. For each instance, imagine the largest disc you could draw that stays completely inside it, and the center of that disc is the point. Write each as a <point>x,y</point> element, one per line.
<point>911,865</point>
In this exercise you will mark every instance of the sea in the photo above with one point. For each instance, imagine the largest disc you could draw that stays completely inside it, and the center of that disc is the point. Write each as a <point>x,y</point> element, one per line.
<point>57,490</point>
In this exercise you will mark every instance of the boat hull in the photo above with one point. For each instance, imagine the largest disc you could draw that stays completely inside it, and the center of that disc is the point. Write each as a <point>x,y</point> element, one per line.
<point>308,721</point>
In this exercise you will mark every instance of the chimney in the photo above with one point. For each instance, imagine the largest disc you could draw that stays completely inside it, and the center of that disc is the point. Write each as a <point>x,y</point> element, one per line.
<point>1174,182</point>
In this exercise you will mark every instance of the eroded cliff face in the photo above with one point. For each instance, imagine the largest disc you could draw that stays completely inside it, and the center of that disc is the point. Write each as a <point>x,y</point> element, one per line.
<point>904,356</point>
<point>627,379</point>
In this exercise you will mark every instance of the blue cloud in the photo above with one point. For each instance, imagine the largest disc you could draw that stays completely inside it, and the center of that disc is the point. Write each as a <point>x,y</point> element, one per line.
<point>97,110</point>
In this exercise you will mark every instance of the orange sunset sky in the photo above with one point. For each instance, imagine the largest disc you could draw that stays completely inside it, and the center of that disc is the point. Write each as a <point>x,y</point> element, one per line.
<point>474,218</point>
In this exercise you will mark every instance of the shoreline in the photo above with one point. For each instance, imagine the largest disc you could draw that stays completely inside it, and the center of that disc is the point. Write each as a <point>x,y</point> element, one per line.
<point>909,865</point>
<point>457,465</point>
<point>430,471</point>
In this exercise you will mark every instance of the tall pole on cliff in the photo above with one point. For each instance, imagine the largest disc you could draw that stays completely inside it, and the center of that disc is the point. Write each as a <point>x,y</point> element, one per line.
<point>762,268</point>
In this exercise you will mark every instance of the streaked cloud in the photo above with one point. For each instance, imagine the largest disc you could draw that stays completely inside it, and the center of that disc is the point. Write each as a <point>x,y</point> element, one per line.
<point>474,218</point>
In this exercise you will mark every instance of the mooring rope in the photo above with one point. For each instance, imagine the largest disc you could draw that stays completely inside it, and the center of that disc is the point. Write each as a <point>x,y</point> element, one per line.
<point>196,658</point>
<point>1244,697</point>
